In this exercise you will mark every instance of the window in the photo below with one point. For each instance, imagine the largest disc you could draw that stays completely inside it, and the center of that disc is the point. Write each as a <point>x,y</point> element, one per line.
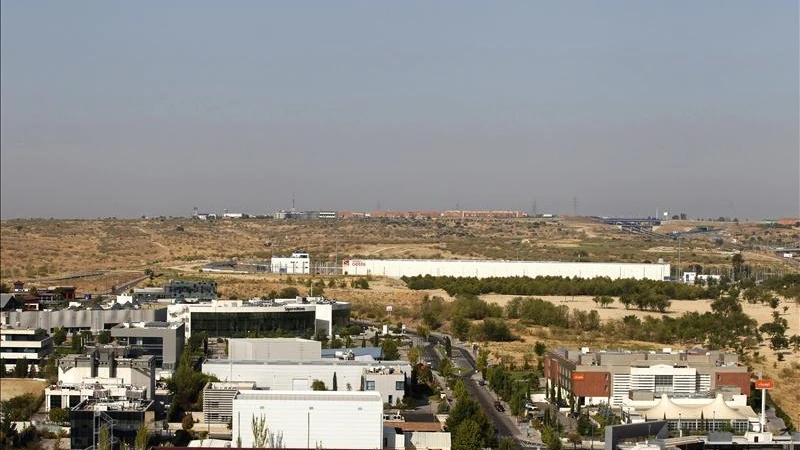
<point>663,383</point>
<point>370,385</point>
<point>399,386</point>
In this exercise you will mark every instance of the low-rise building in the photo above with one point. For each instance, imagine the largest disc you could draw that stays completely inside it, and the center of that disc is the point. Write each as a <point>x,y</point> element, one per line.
<point>297,263</point>
<point>109,363</point>
<point>218,400</point>
<point>164,340</point>
<point>122,416</point>
<point>31,345</point>
<point>75,320</point>
<point>385,377</point>
<point>599,377</point>
<point>303,316</point>
<point>311,419</point>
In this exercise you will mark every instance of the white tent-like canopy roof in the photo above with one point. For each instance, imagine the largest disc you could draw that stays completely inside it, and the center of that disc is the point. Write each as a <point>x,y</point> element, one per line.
<point>694,408</point>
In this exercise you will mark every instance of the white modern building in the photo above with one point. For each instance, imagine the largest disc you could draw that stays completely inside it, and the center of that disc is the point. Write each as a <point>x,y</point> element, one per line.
<point>388,378</point>
<point>24,343</point>
<point>218,400</point>
<point>311,419</point>
<point>484,269</point>
<point>298,263</point>
<point>138,371</point>
<point>101,375</point>
<point>239,318</point>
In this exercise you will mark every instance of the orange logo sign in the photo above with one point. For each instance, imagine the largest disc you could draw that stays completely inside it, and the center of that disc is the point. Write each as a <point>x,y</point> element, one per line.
<point>764,384</point>
<point>577,377</point>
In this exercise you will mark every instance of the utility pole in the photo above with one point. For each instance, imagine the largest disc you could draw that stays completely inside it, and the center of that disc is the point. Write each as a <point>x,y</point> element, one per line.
<point>574,206</point>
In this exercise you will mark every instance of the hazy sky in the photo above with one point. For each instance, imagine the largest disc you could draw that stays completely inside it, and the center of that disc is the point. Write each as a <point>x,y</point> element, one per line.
<point>148,108</point>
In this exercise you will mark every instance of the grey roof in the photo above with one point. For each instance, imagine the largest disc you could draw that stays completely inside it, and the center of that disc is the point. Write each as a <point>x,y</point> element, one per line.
<point>4,299</point>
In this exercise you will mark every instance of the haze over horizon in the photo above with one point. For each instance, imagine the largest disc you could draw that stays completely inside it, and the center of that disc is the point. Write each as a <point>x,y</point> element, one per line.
<point>130,109</point>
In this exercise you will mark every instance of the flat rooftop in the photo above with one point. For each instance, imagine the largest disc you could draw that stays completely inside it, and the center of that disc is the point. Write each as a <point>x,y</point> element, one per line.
<point>317,362</point>
<point>121,405</point>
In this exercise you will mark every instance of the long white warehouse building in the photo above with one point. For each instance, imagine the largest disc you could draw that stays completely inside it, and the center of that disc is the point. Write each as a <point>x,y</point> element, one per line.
<point>484,269</point>
<point>385,377</point>
<point>311,419</point>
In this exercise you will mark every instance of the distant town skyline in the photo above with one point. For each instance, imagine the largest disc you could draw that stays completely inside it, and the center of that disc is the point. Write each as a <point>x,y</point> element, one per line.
<point>618,108</point>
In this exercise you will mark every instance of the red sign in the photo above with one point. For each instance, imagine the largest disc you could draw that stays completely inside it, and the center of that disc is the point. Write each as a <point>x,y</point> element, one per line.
<point>345,262</point>
<point>764,384</point>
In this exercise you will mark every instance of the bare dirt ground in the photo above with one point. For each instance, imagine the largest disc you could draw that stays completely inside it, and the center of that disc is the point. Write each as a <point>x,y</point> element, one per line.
<point>14,387</point>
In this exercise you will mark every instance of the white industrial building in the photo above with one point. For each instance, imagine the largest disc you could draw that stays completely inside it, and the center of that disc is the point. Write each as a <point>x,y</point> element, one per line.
<point>101,374</point>
<point>484,269</point>
<point>298,263</point>
<point>311,419</point>
<point>274,349</point>
<point>388,378</point>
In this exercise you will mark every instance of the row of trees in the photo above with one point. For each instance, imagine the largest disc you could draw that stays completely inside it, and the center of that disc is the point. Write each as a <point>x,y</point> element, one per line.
<point>564,286</point>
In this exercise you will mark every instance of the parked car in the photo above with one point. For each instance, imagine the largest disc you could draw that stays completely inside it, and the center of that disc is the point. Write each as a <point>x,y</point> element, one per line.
<point>481,382</point>
<point>499,406</point>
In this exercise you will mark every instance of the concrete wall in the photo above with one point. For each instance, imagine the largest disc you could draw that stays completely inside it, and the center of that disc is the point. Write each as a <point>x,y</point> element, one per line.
<point>310,419</point>
<point>265,349</point>
<point>484,269</point>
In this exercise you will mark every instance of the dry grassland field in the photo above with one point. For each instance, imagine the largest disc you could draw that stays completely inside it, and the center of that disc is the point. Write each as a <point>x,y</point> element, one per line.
<point>109,253</point>
<point>14,387</point>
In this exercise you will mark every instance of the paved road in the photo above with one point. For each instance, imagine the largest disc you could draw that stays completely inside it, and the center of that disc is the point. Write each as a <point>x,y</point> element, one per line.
<point>504,424</point>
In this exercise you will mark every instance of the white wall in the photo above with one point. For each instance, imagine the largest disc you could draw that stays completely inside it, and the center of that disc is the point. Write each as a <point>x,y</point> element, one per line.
<point>484,269</point>
<point>310,419</point>
<point>291,265</point>
<point>289,377</point>
<point>266,349</point>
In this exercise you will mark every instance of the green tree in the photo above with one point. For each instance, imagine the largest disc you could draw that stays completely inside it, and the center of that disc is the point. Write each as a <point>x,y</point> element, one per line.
<point>389,350</point>
<point>21,368</point>
<point>59,415</point>
<point>468,409</point>
<point>318,385</point>
<point>467,436</point>
<point>187,423</point>
<point>575,439</point>
<point>59,336</point>
<point>507,443</point>
<point>104,337</point>
<point>335,385</point>
<point>413,355</point>
<point>289,292</point>
<point>142,438</point>
<point>737,261</point>
<point>104,438</point>
<point>448,347</point>
<point>460,327</point>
